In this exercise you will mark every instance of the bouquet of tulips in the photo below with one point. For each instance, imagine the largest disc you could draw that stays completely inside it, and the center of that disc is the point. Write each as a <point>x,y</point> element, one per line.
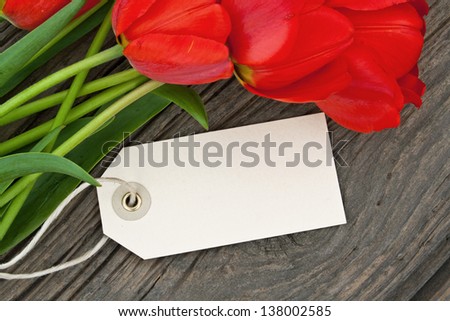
<point>356,59</point>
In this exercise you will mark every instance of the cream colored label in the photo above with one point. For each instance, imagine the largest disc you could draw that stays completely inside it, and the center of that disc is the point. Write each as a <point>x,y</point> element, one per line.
<point>225,187</point>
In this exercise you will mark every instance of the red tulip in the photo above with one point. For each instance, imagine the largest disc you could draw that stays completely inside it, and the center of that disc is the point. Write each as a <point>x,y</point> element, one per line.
<point>175,41</point>
<point>29,14</point>
<point>356,59</point>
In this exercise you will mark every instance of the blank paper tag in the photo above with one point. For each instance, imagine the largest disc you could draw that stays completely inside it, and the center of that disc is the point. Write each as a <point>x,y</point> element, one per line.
<point>224,187</point>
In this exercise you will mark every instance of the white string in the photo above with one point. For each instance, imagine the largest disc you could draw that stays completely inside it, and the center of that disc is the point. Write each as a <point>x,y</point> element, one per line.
<point>53,217</point>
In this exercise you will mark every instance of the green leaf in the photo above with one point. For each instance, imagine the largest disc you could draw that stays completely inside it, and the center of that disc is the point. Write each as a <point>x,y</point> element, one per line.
<point>4,186</point>
<point>3,210</point>
<point>40,146</point>
<point>2,17</point>
<point>19,165</point>
<point>187,99</point>
<point>72,37</point>
<point>12,209</point>
<point>9,212</point>
<point>74,127</point>
<point>43,143</point>
<point>18,55</point>
<point>52,189</point>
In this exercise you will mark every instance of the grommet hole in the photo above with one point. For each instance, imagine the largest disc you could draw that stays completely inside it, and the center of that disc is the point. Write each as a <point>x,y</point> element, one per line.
<point>131,203</point>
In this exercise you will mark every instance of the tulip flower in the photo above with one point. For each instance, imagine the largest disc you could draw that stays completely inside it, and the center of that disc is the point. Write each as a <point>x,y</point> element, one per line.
<point>356,59</point>
<point>175,41</point>
<point>29,14</point>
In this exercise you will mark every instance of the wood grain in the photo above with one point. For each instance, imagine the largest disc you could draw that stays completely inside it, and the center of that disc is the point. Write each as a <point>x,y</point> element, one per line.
<point>438,288</point>
<point>396,192</point>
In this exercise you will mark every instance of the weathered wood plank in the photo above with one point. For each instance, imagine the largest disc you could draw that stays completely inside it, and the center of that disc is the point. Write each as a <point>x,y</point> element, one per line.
<point>438,288</point>
<point>396,193</point>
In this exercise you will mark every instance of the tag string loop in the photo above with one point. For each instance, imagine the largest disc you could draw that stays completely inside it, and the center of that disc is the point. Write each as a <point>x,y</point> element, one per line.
<point>53,217</point>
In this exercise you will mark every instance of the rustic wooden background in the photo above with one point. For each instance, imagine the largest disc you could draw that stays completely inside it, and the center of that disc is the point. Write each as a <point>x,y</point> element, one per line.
<point>396,193</point>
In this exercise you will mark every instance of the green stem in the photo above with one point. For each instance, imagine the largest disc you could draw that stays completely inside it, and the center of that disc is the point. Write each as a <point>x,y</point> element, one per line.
<point>68,29</point>
<point>56,99</point>
<point>60,76</point>
<point>79,80</point>
<point>84,133</point>
<point>105,116</point>
<point>14,209</point>
<point>82,110</point>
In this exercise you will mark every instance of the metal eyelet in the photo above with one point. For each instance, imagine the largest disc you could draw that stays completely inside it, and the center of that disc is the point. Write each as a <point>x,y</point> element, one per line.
<point>129,205</point>
<point>121,202</point>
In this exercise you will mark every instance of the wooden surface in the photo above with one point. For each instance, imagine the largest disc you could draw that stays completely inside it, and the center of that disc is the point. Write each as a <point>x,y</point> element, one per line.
<point>396,193</point>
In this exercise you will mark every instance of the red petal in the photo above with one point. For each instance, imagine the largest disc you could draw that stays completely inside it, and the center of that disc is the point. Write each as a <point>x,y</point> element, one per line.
<point>372,102</point>
<point>184,60</point>
<point>321,35</point>
<point>30,14</point>
<point>364,4</point>
<point>394,34</point>
<point>317,86</point>
<point>421,6</point>
<point>198,18</point>
<point>413,88</point>
<point>262,30</point>
<point>125,13</point>
<point>311,5</point>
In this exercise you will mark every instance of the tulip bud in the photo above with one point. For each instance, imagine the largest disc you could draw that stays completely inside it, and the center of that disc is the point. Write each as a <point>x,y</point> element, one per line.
<point>29,14</point>
<point>355,59</point>
<point>175,41</point>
